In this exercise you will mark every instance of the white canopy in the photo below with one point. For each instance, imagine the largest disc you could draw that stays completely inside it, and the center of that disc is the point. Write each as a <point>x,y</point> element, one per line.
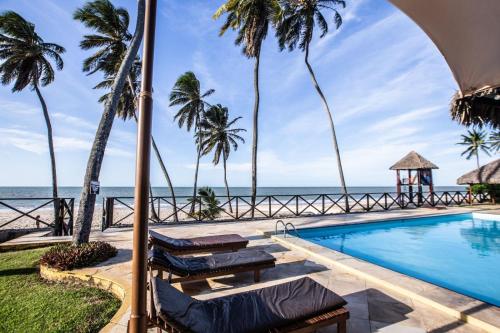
<point>467,32</point>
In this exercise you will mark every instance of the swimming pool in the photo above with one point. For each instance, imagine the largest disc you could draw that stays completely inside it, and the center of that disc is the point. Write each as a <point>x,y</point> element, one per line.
<point>458,252</point>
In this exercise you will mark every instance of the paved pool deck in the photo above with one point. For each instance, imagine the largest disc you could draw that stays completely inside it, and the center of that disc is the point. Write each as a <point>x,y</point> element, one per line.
<point>374,307</point>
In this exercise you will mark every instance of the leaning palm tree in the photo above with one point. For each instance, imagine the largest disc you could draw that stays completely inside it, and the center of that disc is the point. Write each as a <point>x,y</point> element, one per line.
<point>217,134</point>
<point>186,93</point>
<point>126,109</point>
<point>95,15</point>
<point>251,19</point>
<point>475,142</point>
<point>25,58</point>
<point>296,28</point>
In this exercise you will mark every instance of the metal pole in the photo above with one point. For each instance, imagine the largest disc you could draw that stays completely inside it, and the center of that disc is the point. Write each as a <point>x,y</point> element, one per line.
<point>138,315</point>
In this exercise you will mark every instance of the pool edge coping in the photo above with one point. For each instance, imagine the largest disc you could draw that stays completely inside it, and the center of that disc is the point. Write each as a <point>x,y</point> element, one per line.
<point>349,263</point>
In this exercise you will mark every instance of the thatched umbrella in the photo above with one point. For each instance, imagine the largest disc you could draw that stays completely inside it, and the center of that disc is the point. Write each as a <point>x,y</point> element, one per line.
<point>487,174</point>
<point>466,33</point>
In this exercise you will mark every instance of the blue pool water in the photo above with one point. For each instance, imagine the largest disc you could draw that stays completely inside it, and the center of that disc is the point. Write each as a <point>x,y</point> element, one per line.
<point>457,252</point>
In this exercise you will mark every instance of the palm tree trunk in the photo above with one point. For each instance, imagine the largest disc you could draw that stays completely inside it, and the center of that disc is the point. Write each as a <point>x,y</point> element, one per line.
<point>160,161</point>
<point>330,119</point>
<point>51,151</point>
<point>193,205</point>
<point>255,131</point>
<point>51,141</point>
<point>477,159</point>
<point>167,177</point>
<point>154,216</point>
<point>85,215</point>
<point>225,181</point>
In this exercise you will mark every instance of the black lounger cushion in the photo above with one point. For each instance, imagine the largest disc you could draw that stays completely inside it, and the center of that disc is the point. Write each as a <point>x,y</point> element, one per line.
<point>197,265</point>
<point>208,242</point>
<point>253,311</point>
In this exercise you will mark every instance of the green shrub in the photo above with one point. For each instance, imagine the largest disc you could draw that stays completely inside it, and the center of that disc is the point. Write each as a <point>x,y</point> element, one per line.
<point>209,204</point>
<point>66,257</point>
<point>480,188</point>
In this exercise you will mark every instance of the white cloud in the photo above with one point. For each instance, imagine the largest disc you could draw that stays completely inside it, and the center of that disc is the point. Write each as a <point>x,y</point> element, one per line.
<point>405,120</point>
<point>18,108</point>
<point>37,143</point>
<point>74,121</point>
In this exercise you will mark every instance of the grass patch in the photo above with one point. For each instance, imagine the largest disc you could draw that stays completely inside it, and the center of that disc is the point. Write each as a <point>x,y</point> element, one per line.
<point>30,304</point>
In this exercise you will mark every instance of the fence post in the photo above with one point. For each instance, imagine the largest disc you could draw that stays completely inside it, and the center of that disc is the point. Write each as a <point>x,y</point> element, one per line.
<point>323,204</point>
<point>296,205</point>
<point>270,210</point>
<point>159,205</point>
<point>57,221</point>
<point>237,212</point>
<point>347,209</point>
<point>71,216</point>
<point>385,202</point>
<point>108,213</point>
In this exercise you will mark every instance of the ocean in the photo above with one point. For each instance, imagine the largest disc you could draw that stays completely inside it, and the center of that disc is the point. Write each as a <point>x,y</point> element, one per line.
<point>184,192</point>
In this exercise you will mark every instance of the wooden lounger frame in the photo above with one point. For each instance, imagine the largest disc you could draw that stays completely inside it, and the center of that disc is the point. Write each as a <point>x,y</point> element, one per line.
<point>221,272</point>
<point>308,325</point>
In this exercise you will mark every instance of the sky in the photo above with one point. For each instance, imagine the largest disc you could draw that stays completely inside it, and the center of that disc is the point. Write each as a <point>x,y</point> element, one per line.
<point>388,87</point>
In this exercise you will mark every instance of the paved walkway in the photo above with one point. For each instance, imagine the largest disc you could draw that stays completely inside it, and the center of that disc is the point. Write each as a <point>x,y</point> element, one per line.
<point>372,308</point>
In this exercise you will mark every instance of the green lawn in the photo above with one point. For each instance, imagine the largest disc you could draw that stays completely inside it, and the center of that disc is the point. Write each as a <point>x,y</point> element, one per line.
<point>30,304</point>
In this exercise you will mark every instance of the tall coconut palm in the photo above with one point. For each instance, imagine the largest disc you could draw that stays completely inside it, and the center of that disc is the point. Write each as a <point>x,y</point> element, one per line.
<point>296,29</point>
<point>25,58</point>
<point>98,16</point>
<point>219,135</point>
<point>251,19</point>
<point>187,94</point>
<point>475,141</point>
<point>127,107</point>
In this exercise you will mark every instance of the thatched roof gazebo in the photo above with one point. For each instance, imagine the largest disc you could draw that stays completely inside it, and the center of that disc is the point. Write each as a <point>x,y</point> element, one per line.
<point>487,174</point>
<point>413,161</point>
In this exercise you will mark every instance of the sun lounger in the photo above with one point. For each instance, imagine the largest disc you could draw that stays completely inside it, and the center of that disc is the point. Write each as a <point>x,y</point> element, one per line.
<point>297,306</point>
<point>178,246</point>
<point>198,268</point>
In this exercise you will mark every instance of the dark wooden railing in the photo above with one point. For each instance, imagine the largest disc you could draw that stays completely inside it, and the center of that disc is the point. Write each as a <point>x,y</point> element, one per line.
<point>117,211</point>
<point>53,213</point>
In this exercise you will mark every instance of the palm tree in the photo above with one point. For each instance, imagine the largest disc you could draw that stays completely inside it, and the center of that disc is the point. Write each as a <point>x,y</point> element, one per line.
<point>112,35</point>
<point>475,141</point>
<point>127,107</point>
<point>209,205</point>
<point>494,141</point>
<point>217,133</point>
<point>97,15</point>
<point>187,94</point>
<point>251,19</point>
<point>26,63</point>
<point>296,28</point>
